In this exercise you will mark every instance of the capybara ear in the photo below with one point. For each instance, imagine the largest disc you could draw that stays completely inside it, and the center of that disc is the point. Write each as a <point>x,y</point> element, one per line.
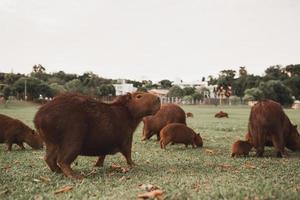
<point>128,96</point>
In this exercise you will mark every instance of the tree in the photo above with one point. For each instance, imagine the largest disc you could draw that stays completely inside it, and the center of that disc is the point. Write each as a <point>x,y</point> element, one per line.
<point>294,84</point>
<point>293,70</point>
<point>276,91</point>
<point>212,80</point>
<point>275,72</point>
<point>253,94</point>
<point>57,89</point>
<point>35,88</point>
<point>197,96</point>
<point>105,90</point>
<point>7,91</point>
<point>74,85</point>
<point>175,91</point>
<point>165,84</point>
<point>189,91</point>
<point>142,89</point>
<point>243,71</point>
<point>226,78</point>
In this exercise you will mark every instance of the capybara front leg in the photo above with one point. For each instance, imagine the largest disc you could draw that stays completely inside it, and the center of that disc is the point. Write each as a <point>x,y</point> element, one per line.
<point>51,158</point>
<point>20,144</point>
<point>127,154</point>
<point>279,146</point>
<point>100,161</point>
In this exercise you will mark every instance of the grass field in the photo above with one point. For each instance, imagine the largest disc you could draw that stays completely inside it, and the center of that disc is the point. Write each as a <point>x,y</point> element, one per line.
<point>182,173</point>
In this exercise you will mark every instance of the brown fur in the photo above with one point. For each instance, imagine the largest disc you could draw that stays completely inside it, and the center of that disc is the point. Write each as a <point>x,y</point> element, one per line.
<point>168,113</point>
<point>268,123</point>
<point>13,131</point>
<point>74,124</point>
<point>241,148</point>
<point>179,133</point>
<point>221,114</point>
<point>189,114</point>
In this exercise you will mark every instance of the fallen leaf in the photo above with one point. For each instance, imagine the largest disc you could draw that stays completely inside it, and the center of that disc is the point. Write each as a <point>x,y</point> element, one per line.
<point>151,195</point>
<point>6,167</point>
<point>63,189</point>
<point>209,151</point>
<point>249,166</point>
<point>226,166</point>
<point>4,192</point>
<point>36,180</point>
<point>148,187</point>
<point>17,162</point>
<point>119,168</point>
<point>38,197</point>
<point>44,178</point>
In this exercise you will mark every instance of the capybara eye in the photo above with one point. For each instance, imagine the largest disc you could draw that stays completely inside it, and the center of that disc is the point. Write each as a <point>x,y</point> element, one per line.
<point>139,96</point>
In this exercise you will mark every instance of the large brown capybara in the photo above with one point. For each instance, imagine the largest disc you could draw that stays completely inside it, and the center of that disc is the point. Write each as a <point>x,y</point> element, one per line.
<point>221,114</point>
<point>74,124</point>
<point>241,148</point>
<point>189,114</point>
<point>268,123</point>
<point>179,133</point>
<point>13,131</point>
<point>168,113</point>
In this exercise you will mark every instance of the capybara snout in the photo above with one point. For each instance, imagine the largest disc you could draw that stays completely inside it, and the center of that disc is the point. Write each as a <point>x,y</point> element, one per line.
<point>34,140</point>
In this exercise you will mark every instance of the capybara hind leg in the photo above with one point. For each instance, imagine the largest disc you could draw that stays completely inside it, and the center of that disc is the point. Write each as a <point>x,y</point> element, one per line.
<point>65,157</point>
<point>20,144</point>
<point>51,158</point>
<point>100,161</point>
<point>9,146</point>
<point>279,146</point>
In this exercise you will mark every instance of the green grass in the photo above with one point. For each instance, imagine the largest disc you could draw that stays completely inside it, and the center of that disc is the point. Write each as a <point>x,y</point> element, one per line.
<point>203,173</point>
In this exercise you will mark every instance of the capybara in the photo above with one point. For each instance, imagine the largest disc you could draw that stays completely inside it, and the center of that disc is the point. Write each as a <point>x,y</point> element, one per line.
<point>13,131</point>
<point>189,114</point>
<point>74,124</point>
<point>267,143</point>
<point>268,123</point>
<point>179,133</point>
<point>221,114</point>
<point>168,113</point>
<point>241,148</point>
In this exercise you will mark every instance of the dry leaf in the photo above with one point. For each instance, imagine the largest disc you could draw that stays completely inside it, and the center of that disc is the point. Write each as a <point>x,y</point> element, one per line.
<point>151,195</point>
<point>249,166</point>
<point>36,180</point>
<point>226,166</point>
<point>44,178</point>
<point>119,168</point>
<point>63,189</point>
<point>38,197</point>
<point>6,167</point>
<point>4,192</point>
<point>148,187</point>
<point>209,151</point>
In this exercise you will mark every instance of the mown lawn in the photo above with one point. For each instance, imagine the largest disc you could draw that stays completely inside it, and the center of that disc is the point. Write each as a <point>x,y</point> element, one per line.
<point>203,173</point>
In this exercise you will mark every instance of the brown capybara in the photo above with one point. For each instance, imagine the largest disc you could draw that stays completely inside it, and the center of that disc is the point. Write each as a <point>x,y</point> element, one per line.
<point>221,114</point>
<point>179,133</point>
<point>168,113</point>
<point>13,131</point>
<point>268,123</point>
<point>189,114</point>
<point>241,148</point>
<point>74,124</point>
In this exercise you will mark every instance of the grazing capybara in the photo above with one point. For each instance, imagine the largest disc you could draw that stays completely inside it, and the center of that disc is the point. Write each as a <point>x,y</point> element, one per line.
<point>221,114</point>
<point>189,114</point>
<point>74,124</point>
<point>241,148</point>
<point>268,123</point>
<point>179,133</point>
<point>13,131</point>
<point>168,113</point>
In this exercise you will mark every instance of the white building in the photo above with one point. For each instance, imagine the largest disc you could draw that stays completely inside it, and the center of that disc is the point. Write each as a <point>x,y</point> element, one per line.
<point>123,88</point>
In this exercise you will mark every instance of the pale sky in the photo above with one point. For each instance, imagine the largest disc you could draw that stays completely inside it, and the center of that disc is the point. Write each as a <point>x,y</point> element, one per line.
<point>148,39</point>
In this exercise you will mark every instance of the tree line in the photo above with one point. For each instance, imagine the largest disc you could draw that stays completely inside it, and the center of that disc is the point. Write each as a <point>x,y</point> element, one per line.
<point>280,83</point>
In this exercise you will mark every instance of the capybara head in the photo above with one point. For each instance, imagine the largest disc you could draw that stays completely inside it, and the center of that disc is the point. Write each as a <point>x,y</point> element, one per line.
<point>141,103</point>
<point>198,140</point>
<point>240,148</point>
<point>33,139</point>
<point>293,142</point>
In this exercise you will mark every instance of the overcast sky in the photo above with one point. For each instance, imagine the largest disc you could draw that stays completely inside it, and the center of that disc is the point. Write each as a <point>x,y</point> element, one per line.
<point>148,39</point>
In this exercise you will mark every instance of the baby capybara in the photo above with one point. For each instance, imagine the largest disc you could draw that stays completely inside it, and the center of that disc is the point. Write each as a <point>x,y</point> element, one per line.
<point>189,114</point>
<point>179,133</point>
<point>13,131</point>
<point>240,148</point>
<point>168,113</point>
<point>75,124</point>
<point>221,114</point>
